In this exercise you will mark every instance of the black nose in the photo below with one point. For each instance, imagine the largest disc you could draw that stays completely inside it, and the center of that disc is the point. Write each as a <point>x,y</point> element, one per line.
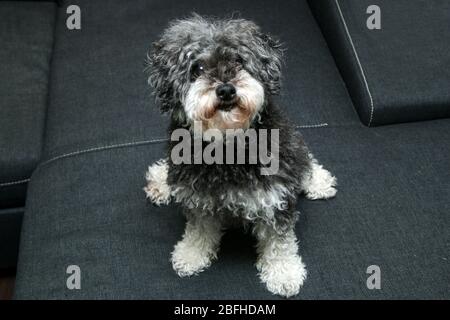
<point>226,92</point>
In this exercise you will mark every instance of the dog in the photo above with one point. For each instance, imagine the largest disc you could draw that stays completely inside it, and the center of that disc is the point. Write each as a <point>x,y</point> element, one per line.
<point>222,74</point>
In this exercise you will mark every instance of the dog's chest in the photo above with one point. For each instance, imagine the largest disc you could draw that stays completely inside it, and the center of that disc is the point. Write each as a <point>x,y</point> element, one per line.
<point>247,198</point>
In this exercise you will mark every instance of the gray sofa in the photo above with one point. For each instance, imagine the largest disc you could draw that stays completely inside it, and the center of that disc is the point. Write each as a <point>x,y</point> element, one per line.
<point>78,128</point>
<point>26,37</point>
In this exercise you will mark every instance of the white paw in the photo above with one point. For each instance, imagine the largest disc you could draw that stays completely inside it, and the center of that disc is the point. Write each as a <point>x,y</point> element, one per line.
<point>320,185</point>
<point>188,260</point>
<point>283,277</point>
<point>157,189</point>
<point>325,193</point>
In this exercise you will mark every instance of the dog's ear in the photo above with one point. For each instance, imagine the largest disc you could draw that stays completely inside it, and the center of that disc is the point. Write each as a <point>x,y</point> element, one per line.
<point>169,60</point>
<point>158,67</point>
<point>262,54</point>
<point>271,59</point>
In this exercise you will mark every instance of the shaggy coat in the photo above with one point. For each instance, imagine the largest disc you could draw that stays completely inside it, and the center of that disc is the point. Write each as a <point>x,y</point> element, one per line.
<point>223,74</point>
<point>229,189</point>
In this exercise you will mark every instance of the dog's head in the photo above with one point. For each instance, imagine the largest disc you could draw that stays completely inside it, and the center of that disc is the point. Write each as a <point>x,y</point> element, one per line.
<point>219,72</point>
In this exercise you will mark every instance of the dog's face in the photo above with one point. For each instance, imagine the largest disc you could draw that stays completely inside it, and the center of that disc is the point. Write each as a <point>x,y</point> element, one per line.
<point>222,94</point>
<point>219,72</point>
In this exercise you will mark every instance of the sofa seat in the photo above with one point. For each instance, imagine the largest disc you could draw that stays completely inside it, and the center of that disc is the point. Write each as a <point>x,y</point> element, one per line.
<point>391,210</point>
<point>26,38</point>
<point>397,73</point>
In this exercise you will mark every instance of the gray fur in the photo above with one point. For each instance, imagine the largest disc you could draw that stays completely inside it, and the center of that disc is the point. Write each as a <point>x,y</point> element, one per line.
<point>172,56</point>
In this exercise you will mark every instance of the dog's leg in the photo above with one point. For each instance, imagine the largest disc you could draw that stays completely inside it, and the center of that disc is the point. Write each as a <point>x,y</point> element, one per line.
<point>279,265</point>
<point>319,183</point>
<point>199,246</point>
<point>157,189</point>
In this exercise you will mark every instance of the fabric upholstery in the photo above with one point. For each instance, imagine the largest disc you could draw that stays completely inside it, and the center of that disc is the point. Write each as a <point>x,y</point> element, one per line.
<point>398,73</point>
<point>391,210</point>
<point>26,37</point>
<point>86,205</point>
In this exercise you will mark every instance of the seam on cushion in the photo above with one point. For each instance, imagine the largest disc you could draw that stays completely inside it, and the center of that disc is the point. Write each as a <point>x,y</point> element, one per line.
<point>12,183</point>
<point>137,143</point>
<point>320,125</point>
<point>357,60</point>
<point>113,146</point>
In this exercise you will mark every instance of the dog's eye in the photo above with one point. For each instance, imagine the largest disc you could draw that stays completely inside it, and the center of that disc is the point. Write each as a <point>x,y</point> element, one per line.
<point>239,60</point>
<point>197,69</point>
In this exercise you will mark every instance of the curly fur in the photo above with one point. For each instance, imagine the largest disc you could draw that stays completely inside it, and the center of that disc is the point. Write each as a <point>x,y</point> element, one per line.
<point>237,52</point>
<point>157,189</point>
<point>172,56</point>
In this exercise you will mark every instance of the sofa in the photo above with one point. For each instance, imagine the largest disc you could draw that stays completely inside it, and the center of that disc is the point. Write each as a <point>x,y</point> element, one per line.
<point>79,127</point>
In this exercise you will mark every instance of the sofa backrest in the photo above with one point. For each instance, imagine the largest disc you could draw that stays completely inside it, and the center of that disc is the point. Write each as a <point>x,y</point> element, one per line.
<point>394,56</point>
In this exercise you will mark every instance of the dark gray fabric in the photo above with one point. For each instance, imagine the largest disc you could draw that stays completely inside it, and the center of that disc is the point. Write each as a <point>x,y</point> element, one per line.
<point>26,37</point>
<point>14,194</point>
<point>89,209</point>
<point>405,63</point>
<point>391,210</point>
<point>99,90</point>
<point>10,224</point>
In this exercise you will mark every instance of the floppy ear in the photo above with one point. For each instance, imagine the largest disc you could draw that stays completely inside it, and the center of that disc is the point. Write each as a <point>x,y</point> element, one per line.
<point>271,61</point>
<point>159,63</point>
<point>262,54</point>
<point>169,61</point>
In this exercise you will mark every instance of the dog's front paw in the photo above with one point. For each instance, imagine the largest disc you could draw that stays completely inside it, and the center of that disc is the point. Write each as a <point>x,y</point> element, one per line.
<point>157,189</point>
<point>157,195</point>
<point>320,184</point>
<point>283,277</point>
<point>188,260</point>
<point>325,193</point>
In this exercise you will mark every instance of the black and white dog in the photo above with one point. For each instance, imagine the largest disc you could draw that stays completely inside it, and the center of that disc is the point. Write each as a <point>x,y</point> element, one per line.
<point>222,75</point>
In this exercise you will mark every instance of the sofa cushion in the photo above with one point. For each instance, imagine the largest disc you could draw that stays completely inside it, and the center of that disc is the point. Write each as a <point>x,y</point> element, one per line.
<point>26,37</point>
<point>100,95</point>
<point>397,73</point>
<point>391,210</point>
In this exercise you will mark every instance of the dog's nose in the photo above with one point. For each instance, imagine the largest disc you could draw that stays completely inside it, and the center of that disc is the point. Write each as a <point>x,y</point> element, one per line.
<point>226,92</point>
